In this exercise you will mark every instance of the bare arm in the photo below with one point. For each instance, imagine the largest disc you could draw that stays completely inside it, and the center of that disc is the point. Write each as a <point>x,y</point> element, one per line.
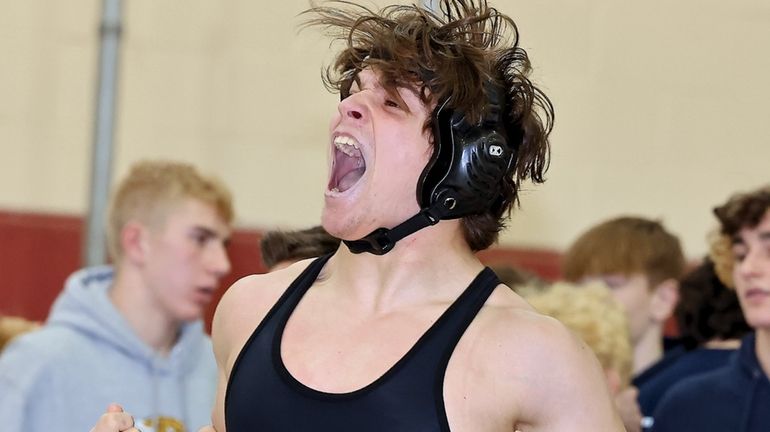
<point>570,392</point>
<point>628,409</point>
<point>221,335</point>
<point>238,313</point>
<point>218,415</point>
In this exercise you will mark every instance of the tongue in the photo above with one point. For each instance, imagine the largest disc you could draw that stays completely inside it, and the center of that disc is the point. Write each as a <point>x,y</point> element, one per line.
<point>348,180</point>
<point>347,170</point>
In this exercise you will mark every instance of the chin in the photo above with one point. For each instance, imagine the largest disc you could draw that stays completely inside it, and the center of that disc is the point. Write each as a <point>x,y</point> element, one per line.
<point>189,315</point>
<point>758,321</point>
<point>337,229</point>
<point>343,225</point>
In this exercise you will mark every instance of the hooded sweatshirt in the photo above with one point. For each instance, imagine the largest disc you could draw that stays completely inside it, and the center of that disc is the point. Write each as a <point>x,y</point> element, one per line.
<point>734,398</point>
<point>63,377</point>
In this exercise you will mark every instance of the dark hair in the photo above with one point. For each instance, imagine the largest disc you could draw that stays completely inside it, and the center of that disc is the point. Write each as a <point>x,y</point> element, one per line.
<point>521,281</point>
<point>625,245</point>
<point>707,309</point>
<point>743,210</point>
<point>279,246</point>
<point>450,55</point>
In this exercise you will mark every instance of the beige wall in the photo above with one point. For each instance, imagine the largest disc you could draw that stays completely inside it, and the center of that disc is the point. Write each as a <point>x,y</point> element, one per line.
<point>661,106</point>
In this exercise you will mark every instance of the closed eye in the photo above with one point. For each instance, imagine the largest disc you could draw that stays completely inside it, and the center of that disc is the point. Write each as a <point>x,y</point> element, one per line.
<point>203,235</point>
<point>739,252</point>
<point>392,103</point>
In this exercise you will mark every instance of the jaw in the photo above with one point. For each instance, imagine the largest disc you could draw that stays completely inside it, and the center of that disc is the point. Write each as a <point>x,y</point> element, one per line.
<point>342,218</point>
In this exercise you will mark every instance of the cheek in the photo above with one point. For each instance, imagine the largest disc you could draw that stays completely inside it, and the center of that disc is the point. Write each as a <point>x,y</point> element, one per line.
<point>739,283</point>
<point>633,300</point>
<point>417,157</point>
<point>184,260</point>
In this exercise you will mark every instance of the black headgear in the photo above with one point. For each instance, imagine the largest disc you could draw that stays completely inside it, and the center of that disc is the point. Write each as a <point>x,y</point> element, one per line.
<point>463,176</point>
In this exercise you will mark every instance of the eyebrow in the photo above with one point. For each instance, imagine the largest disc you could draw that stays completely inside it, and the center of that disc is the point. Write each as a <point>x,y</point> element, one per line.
<point>763,236</point>
<point>208,232</point>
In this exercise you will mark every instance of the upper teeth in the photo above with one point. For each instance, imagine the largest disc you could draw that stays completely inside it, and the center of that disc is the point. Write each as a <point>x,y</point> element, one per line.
<point>344,144</point>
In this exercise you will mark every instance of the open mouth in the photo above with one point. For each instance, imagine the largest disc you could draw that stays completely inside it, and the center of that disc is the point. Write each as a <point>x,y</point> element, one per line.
<point>348,165</point>
<point>204,295</point>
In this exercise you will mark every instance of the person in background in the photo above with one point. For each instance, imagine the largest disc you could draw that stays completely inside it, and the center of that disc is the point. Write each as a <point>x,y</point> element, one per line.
<point>282,248</point>
<point>131,332</point>
<point>12,327</point>
<point>519,280</point>
<point>735,397</point>
<point>710,324</point>
<point>641,262</point>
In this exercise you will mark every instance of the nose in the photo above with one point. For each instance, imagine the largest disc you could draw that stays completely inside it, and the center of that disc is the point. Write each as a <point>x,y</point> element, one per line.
<point>219,262</point>
<point>354,107</point>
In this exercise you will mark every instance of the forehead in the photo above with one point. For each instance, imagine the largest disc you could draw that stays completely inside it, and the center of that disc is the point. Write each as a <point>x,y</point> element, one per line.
<point>367,78</point>
<point>760,233</point>
<point>370,78</point>
<point>620,278</point>
<point>192,212</point>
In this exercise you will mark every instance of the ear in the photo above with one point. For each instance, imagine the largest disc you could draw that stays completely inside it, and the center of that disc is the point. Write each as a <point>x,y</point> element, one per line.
<point>664,299</point>
<point>133,240</point>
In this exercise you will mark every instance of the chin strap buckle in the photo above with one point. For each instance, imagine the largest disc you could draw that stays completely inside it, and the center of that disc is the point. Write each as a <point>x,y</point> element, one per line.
<point>378,242</point>
<point>382,240</point>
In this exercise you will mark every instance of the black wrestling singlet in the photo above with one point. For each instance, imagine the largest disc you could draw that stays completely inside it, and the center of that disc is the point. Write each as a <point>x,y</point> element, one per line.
<point>262,396</point>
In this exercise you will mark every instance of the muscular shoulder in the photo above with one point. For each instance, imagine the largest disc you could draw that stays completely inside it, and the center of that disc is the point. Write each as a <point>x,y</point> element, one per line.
<point>245,304</point>
<point>540,366</point>
<point>515,330</point>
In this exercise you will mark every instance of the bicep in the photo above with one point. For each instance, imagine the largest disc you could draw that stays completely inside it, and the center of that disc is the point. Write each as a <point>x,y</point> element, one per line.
<point>218,414</point>
<point>573,393</point>
<point>237,315</point>
<point>221,335</point>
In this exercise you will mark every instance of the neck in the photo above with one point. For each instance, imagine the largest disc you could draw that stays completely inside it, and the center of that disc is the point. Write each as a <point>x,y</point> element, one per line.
<point>137,304</point>
<point>432,262</point>
<point>763,349</point>
<point>724,344</point>
<point>648,349</point>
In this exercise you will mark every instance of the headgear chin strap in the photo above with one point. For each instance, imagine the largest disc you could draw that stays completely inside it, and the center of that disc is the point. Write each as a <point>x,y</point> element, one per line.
<point>462,178</point>
<point>382,240</point>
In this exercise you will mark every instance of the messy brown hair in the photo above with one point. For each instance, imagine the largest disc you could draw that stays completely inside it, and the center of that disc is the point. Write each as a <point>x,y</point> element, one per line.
<point>625,245</point>
<point>742,210</point>
<point>282,246</point>
<point>451,55</point>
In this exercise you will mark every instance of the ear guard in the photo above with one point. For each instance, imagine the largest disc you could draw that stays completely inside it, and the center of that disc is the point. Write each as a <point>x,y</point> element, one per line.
<point>469,162</point>
<point>462,177</point>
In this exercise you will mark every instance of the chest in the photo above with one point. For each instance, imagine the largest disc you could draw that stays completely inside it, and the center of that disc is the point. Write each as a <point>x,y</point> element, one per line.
<point>321,366</point>
<point>414,350</point>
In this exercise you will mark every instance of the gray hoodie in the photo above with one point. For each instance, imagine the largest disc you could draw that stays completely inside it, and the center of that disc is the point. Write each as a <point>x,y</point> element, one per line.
<point>62,377</point>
